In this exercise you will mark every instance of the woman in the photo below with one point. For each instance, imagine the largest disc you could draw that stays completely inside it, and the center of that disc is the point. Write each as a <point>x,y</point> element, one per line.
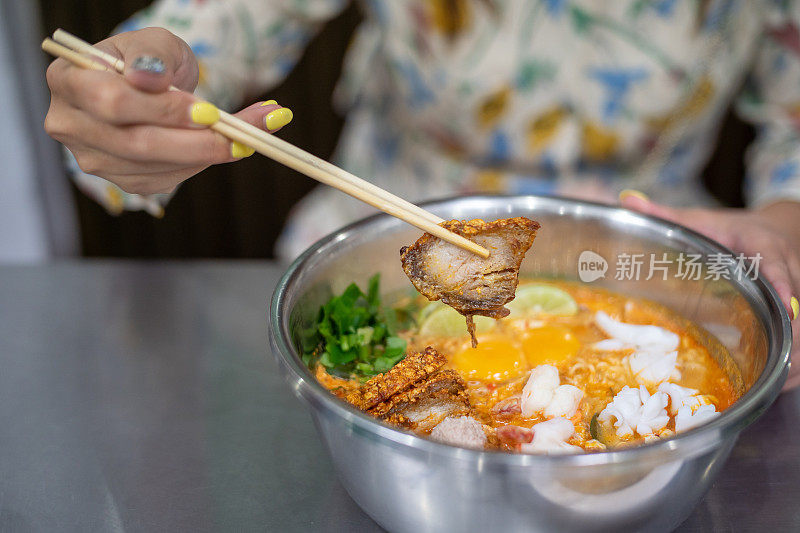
<point>455,96</point>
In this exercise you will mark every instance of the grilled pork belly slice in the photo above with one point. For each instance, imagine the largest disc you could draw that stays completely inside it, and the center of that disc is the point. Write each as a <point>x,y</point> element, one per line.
<point>426,403</point>
<point>414,368</point>
<point>415,394</point>
<point>465,281</point>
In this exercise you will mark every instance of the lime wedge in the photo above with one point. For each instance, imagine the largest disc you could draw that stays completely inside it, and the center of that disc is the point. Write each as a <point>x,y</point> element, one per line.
<point>535,299</point>
<point>439,320</point>
<point>426,311</point>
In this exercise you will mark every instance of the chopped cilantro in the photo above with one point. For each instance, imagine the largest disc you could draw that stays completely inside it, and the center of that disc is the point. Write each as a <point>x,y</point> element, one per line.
<point>354,335</point>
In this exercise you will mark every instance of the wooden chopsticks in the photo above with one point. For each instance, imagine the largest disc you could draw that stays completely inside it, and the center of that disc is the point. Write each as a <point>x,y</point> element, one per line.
<point>81,53</point>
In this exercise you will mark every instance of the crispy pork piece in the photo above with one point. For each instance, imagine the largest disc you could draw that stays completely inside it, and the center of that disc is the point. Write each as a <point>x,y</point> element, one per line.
<point>415,394</point>
<point>467,282</point>
<point>426,403</point>
<point>414,368</point>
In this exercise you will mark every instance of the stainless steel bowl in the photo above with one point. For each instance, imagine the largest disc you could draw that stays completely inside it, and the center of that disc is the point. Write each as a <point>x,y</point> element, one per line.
<point>407,483</point>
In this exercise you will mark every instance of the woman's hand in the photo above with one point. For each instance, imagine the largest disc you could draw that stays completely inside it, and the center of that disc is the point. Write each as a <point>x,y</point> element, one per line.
<point>131,130</point>
<point>772,231</point>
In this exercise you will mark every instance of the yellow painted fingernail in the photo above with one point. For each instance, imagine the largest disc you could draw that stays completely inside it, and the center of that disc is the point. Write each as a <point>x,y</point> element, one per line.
<point>204,113</point>
<point>278,118</point>
<point>632,192</point>
<point>795,308</point>
<point>269,102</point>
<point>239,150</point>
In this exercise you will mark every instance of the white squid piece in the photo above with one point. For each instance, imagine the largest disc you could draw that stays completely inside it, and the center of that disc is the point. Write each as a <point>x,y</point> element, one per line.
<point>551,437</point>
<point>688,418</point>
<point>654,358</point>
<point>637,336</point>
<point>682,397</point>
<point>635,410</point>
<point>654,367</point>
<point>543,392</point>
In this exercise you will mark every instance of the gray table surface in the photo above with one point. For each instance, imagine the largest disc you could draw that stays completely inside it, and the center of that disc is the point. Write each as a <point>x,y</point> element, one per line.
<point>143,397</point>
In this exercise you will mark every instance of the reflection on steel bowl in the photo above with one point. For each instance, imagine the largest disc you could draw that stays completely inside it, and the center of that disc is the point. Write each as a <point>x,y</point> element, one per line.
<point>409,483</point>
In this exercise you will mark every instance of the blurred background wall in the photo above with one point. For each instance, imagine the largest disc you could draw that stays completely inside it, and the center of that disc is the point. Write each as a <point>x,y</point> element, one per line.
<point>237,210</point>
<point>37,217</point>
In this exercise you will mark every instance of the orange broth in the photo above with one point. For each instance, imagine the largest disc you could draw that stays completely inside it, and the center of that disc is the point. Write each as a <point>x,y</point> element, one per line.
<point>518,345</point>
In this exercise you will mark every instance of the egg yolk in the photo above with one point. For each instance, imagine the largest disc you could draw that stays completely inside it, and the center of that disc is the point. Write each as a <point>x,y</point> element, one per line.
<point>494,359</point>
<point>549,345</point>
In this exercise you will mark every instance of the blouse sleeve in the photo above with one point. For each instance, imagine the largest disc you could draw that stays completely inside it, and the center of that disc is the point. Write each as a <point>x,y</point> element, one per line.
<point>243,47</point>
<point>771,101</point>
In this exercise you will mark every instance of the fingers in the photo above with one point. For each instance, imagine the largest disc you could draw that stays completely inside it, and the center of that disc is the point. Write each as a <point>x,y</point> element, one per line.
<point>640,202</point>
<point>263,115</point>
<point>632,198</point>
<point>141,97</point>
<point>700,220</point>
<point>743,232</point>
<point>781,262</point>
<point>155,58</point>
<point>775,270</point>
<point>109,150</point>
<point>266,115</point>
<point>794,376</point>
<point>793,381</point>
<point>133,130</point>
<point>145,144</point>
<point>103,164</point>
<point>793,301</point>
<point>109,98</point>
<point>142,144</point>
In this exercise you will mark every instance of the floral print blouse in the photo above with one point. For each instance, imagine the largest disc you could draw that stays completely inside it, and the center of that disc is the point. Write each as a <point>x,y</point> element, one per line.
<point>573,97</point>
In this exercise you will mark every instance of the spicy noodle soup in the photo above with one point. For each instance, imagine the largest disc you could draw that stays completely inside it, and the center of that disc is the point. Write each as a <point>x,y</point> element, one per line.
<point>573,368</point>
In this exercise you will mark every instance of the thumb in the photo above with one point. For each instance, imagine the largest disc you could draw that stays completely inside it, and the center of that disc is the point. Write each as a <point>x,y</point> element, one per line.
<point>638,201</point>
<point>155,59</point>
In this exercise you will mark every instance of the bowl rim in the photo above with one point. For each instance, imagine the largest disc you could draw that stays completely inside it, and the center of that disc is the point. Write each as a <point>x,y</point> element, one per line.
<point>743,412</point>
